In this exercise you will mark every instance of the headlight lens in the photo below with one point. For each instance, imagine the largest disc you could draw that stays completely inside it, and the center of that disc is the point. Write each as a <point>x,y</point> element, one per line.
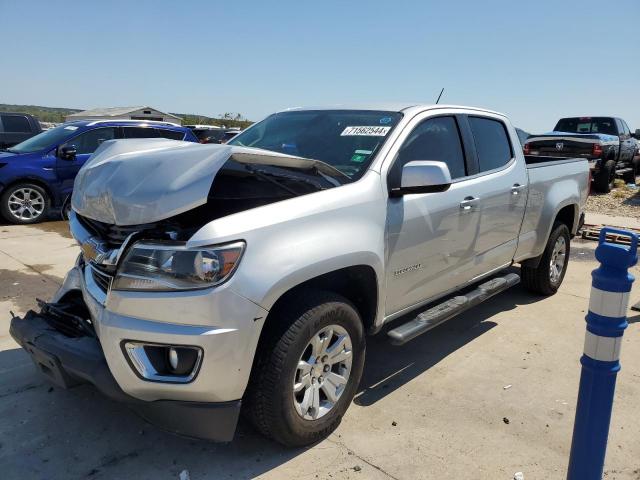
<point>160,267</point>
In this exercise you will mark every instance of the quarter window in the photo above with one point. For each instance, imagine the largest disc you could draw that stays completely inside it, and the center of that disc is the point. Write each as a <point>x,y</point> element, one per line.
<point>434,139</point>
<point>171,134</point>
<point>15,124</point>
<point>492,143</point>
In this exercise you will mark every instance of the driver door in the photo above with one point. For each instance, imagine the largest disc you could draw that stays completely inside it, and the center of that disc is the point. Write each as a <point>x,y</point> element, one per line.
<point>431,237</point>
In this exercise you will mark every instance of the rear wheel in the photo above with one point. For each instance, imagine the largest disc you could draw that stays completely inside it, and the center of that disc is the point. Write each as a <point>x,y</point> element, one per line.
<point>24,203</point>
<point>307,370</point>
<point>603,180</point>
<point>547,277</point>
<point>630,177</point>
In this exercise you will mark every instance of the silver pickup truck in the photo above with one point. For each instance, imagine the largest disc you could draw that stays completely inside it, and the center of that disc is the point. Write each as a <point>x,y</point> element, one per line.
<point>215,276</point>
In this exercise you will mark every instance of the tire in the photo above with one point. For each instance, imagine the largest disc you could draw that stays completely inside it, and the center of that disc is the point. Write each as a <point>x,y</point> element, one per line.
<point>541,279</point>
<point>12,209</point>
<point>630,177</point>
<point>603,180</point>
<point>66,209</point>
<point>271,402</point>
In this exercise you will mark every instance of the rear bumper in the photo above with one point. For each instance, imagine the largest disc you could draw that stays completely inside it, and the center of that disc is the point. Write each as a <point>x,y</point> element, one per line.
<point>70,361</point>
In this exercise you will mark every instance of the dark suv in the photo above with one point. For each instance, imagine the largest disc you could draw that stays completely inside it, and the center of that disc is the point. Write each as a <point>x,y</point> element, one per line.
<point>16,128</point>
<point>37,175</point>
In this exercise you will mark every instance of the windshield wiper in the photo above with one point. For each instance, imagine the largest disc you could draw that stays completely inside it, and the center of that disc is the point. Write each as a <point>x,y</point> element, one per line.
<point>269,178</point>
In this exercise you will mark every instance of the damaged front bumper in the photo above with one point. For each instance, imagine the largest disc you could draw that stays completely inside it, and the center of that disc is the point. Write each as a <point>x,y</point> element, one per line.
<point>69,361</point>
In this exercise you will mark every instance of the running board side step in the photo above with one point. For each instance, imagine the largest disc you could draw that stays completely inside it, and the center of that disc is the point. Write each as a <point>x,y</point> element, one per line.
<point>442,312</point>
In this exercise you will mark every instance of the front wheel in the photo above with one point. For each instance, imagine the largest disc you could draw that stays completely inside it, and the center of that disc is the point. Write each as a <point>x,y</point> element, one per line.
<point>24,203</point>
<point>307,370</point>
<point>547,277</point>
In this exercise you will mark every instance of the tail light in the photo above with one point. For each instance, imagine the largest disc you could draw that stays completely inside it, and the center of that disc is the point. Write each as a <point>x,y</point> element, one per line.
<point>590,184</point>
<point>526,148</point>
<point>596,150</point>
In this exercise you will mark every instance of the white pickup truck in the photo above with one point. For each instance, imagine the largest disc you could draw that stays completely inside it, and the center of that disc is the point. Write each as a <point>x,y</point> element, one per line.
<point>218,276</point>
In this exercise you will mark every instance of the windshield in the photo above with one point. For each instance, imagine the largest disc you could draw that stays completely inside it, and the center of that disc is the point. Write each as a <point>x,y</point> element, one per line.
<point>587,125</point>
<point>46,139</point>
<point>345,139</point>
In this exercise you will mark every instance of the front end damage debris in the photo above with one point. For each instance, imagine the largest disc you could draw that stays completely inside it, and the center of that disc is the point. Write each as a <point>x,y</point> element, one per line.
<point>68,359</point>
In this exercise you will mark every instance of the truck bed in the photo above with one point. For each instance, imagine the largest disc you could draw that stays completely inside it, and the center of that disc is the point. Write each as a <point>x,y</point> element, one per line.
<point>553,183</point>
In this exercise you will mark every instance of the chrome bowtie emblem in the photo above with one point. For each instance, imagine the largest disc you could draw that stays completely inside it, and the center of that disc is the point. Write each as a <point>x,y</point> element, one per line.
<point>559,146</point>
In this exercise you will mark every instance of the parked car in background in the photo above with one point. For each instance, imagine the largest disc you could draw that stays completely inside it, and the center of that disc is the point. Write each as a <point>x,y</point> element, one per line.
<point>208,133</point>
<point>254,280</point>
<point>213,133</point>
<point>17,127</point>
<point>606,142</point>
<point>231,133</point>
<point>522,135</point>
<point>37,175</point>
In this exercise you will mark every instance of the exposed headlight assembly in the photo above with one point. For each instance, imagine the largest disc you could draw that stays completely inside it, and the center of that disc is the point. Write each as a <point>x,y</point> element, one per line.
<point>166,267</point>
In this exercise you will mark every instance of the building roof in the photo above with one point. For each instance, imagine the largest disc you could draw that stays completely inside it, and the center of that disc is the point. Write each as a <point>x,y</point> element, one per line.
<point>116,111</point>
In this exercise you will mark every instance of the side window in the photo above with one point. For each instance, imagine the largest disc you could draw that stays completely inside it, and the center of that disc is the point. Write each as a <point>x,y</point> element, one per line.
<point>139,132</point>
<point>492,143</point>
<point>170,134</point>
<point>434,139</point>
<point>89,141</point>
<point>15,124</point>
<point>625,128</point>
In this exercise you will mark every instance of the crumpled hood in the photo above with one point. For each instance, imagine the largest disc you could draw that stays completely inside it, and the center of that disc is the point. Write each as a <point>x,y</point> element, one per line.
<point>131,182</point>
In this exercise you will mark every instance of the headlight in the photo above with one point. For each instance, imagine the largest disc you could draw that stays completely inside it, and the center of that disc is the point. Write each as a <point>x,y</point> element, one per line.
<point>161,267</point>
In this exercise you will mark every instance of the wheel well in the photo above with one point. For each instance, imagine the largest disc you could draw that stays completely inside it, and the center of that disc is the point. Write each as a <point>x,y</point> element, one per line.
<point>33,181</point>
<point>357,283</point>
<point>567,215</point>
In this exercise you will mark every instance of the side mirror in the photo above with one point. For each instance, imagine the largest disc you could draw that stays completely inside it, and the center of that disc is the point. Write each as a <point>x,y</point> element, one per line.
<point>423,176</point>
<point>68,153</point>
<point>637,134</point>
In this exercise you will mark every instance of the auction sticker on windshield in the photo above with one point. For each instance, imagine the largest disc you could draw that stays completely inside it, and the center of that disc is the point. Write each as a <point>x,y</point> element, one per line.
<point>365,131</point>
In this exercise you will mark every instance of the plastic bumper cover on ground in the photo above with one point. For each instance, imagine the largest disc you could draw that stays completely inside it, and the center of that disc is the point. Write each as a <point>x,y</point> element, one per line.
<point>70,361</point>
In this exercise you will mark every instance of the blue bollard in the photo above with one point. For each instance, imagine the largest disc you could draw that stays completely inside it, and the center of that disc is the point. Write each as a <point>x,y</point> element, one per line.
<point>606,321</point>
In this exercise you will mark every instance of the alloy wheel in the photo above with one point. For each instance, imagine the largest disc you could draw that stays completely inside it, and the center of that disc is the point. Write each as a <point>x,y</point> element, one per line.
<point>322,372</point>
<point>26,203</point>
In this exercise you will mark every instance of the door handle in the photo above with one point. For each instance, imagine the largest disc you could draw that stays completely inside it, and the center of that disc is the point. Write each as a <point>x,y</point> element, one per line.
<point>468,203</point>
<point>515,190</point>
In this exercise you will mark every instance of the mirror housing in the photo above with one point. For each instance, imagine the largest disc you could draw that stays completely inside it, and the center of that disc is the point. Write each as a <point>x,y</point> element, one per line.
<point>423,176</point>
<point>68,152</point>
<point>636,135</point>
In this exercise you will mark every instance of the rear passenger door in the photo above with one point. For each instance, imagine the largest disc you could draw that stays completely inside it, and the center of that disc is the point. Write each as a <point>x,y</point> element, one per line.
<point>501,188</point>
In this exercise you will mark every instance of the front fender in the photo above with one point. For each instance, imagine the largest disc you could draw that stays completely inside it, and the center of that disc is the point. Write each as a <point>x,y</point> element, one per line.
<point>296,240</point>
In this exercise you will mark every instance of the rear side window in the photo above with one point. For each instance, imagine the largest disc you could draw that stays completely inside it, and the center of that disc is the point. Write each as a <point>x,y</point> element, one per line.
<point>89,141</point>
<point>434,139</point>
<point>170,134</point>
<point>139,132</point>
<point>15,124</point>
<point>492,143</point>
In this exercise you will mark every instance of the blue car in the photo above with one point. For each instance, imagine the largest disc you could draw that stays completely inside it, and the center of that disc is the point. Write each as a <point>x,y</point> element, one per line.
<point>36,176</point>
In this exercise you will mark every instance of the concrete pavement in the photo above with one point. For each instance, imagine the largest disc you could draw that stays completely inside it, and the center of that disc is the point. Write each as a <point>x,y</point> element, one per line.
<point>489,393</point>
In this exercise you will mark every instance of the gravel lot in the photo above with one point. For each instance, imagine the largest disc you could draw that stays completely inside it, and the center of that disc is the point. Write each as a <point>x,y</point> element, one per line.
<point>621,201</point>
<point>488,394</point>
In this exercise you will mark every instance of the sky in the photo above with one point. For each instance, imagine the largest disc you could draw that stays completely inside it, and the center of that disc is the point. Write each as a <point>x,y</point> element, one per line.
<point>535,61</point>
